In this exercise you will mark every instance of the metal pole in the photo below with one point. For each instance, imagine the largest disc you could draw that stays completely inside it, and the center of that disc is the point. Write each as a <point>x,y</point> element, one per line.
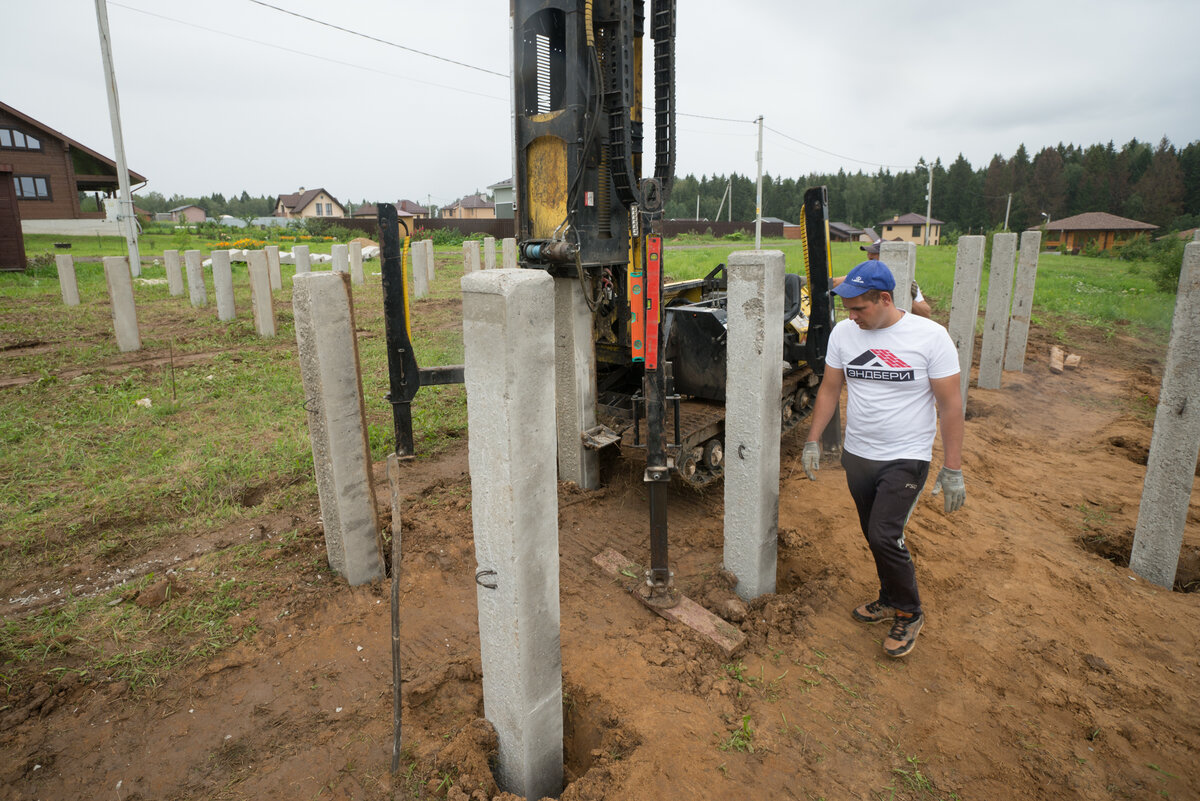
<point>758,201</point>
<point>126,218</point>
<point>928,202</point>
<point>729,189</point>
<point>1007,209</point>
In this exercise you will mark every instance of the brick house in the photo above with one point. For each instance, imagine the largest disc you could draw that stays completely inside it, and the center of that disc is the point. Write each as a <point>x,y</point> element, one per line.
<point>309,203</point>
<point>49,170</point>
<point>910,228</point>
<point>471,207</point>
<point>1072,234</point>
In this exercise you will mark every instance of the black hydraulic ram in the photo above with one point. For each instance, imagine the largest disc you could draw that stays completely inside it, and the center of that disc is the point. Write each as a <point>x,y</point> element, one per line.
<point>404,376</point>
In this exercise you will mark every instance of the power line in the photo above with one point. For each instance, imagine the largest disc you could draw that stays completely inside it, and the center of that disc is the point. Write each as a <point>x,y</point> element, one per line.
<point>702,117</point>
<point>377,39</point>
<point>303,53</point>
<point>458,63</point>
<point>836,155</point>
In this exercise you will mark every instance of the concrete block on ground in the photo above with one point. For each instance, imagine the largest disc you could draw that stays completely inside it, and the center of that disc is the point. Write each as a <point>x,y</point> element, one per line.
<point>356,263</point>
<point>300,254</point>
<point>430,260</point>
<point>260,293</point>
<point>575,384</point>
<point>489,253</point>
<point>337,424</point>
<point>508,339</point>
<point>1175,445</point>
<point>1022,302</point>
<point>471,257</point>
<point>508,254</point>
<point>901,259</point>
<point>120,294</point>
<point>420,273</point>
<point>999,302</point>
<point>964,305</point>
<point>223,285</point>
<point>753,385</point>
<point>66,278</point>
<point>341,258</point>
<point>273,269</point>
<point>174,272</point>
<point>195,278</point>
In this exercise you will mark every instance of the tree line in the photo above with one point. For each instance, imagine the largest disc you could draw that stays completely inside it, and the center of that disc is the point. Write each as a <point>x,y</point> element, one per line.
<point>242,206</point>
<point>1158,185</point>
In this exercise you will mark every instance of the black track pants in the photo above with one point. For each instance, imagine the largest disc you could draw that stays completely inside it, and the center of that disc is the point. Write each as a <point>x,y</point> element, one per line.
<point>885,494</point>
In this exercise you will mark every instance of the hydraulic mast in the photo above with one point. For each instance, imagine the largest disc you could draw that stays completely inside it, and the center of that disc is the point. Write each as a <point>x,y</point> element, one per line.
<point>584,212</point>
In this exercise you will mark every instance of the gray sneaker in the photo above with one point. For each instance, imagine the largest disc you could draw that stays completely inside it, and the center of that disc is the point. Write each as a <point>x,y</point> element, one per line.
<point>873,612</point>
<point>903,636</point>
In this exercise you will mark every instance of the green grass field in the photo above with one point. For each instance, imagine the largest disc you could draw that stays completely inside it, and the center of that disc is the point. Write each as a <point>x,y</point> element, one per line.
<point>1070,289</point>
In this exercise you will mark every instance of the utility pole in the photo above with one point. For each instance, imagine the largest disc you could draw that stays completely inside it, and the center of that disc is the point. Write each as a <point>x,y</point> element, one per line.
<point>697,206</point>
<point>1007,209</point>
<point>126,218</point>
<point>758,200</point>
<point>928,201</point>
<point>729,189</point>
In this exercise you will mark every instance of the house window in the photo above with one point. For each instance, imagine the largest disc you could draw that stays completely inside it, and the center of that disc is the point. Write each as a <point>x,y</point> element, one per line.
<point>328,209</point>
<point>320,210</point>
<point>32,187</point>
<point>12,139</point>
<point>916,230</point>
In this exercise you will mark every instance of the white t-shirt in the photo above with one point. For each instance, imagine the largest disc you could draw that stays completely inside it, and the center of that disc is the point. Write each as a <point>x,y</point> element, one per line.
<point>891,412</point>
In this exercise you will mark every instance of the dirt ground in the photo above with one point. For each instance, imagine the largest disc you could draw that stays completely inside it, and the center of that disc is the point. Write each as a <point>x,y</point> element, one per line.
<point>1046,670</point>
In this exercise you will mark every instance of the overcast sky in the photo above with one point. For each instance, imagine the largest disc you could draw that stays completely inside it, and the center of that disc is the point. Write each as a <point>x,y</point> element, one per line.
<point>226,95</point>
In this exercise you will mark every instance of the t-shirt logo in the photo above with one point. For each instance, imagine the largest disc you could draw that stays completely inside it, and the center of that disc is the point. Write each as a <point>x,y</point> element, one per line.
<point>879,364</point>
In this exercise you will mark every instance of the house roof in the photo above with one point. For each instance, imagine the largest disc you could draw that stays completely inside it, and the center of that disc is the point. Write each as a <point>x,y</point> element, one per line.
<point>133,176</point>
<point>372,210</point>
<point>845,229</point>
<point>473,202</point>
<point>188,206</point>
<point>411,207</point>
<point>1098,221</point>
<point>507,182</point>
<point>870,234</point>
<point>296,201</point>
<point>911,219</point>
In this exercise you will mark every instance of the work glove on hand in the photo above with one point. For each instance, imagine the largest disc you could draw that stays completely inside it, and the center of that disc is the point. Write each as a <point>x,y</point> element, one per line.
<point>951,482</point>
<point>810,460</point>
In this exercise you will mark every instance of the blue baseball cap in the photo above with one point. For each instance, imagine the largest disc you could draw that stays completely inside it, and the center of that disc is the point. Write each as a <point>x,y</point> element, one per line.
<point>865,277</point>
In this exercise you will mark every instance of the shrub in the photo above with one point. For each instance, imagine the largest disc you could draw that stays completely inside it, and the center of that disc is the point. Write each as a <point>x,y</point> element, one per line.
<point>440,236</point>
<point>1137,249</point>
<point>1168,262</point>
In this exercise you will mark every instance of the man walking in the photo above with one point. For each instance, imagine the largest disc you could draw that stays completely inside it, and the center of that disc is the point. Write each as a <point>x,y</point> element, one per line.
<point>900,371</point>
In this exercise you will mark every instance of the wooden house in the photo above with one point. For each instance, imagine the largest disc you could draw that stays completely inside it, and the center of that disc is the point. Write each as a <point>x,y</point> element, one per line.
<point>49,170</point>
<point>1105,230</point>
<point>188,214</point>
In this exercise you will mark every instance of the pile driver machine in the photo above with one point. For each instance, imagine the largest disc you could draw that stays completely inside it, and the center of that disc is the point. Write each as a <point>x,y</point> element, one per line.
<point>655,351</point>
